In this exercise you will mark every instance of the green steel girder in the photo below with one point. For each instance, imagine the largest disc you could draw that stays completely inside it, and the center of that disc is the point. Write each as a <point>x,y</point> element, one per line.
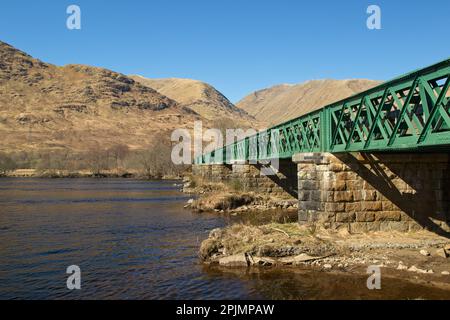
<point>408,113</point>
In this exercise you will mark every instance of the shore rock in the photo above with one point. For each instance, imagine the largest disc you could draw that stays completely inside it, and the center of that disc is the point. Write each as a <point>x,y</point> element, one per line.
<point>401,266</point>
<point>447,249</point>
<point>442,253</point>
<point>298,259</point>
<point>237,260</point>
<point>261,261</point>
<point>415,269</point>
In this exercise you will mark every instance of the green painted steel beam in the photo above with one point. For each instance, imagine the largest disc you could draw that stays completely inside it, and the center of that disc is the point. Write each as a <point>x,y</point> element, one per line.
<point>408,113</point>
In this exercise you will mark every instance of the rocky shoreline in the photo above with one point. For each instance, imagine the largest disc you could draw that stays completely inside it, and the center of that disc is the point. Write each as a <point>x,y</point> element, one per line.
<point>417,256</point>
<point>224,198</point>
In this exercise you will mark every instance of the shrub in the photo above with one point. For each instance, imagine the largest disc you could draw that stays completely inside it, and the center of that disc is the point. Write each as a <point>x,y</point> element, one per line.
<point>6,164</point>
<point>236,185</point>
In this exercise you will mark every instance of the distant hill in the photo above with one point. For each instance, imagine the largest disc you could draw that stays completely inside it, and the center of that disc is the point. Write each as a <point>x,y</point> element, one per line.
<point>284,102</point>
<point>87,114</point>
<point>198,96</point>
<point>76,107</point>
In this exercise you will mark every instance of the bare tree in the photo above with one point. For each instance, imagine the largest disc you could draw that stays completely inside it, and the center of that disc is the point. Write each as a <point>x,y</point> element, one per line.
<point>119,152</point>
<point>156,161</point>
<point>54,160</point>
<point>97,160</point>
<point>7,164</point>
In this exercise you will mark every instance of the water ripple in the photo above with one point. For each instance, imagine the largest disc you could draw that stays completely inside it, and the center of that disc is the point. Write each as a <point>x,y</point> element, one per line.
<point>136,247</point>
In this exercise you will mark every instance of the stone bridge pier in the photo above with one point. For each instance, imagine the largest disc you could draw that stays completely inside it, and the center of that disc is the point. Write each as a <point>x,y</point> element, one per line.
<point>376,191</point>
<point>250,178</point>
<point>360,191</point>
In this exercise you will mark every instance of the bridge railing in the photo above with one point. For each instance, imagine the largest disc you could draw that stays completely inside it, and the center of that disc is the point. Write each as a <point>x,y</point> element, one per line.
<point>410,112</point>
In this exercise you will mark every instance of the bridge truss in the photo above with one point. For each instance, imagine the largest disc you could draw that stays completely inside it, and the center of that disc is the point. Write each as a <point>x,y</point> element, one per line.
<point>408,113</point>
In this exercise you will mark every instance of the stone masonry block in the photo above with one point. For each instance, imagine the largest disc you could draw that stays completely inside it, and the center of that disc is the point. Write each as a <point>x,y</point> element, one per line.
<point>352,206</point>
<point>345,217</point>
<point>389,206</point>
<point>334,207</point>
<point>365,216</point>
<point>399,226</point>
<point>343,196</point>
<point>304,195</point>
<point>388,216</point>
<point>354,184</point>
<point>337,185</point>
<point>371,206</point>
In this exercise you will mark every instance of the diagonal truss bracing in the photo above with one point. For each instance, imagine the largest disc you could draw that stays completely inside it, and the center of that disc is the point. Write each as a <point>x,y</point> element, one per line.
<point>408,113</point>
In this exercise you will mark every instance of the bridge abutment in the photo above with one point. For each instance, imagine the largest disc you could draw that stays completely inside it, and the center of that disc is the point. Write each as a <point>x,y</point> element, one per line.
<point>362,191</point>
<point>249,178</point>
<point>375,192</point>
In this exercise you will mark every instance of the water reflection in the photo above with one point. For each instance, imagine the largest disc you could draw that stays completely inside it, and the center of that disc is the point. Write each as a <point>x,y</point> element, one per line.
<point>133,240</point>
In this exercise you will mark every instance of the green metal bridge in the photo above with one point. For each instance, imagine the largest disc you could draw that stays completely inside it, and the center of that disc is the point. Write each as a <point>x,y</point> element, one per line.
<point>408,113</point>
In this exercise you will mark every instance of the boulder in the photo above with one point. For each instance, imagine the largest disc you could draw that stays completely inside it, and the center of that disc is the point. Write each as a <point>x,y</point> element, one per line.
<point>424,253</point>
<point>262,261</point>
<point>237,260</point>
<point>402,267</point>
<point>442,253</point>
<point>187,185</point>
<point>447,249</point>
<point>415,269</point>
<point>303,257</point>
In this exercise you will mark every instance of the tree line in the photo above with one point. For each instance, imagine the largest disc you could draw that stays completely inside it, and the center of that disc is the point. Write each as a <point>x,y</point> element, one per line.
<point>152,162</point>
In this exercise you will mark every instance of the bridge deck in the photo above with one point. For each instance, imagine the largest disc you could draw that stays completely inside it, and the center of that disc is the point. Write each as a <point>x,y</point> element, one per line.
<point>408,113</point>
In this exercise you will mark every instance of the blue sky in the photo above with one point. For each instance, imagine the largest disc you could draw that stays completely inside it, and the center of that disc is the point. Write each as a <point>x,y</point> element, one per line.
<point>236,45</point>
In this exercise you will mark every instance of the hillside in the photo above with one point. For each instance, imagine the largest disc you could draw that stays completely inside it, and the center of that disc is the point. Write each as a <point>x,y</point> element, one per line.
<point>51,116</point>
<point>198,96</point>
<point>284,102</point>
<point>47,111</point>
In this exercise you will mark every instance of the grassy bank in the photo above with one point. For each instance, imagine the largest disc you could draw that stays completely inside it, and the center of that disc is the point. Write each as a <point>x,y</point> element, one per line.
<point>416,256</point>
<point>232,197</point>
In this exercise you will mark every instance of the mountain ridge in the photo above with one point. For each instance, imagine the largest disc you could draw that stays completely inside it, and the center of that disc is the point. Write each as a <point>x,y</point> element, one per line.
<point>294,100</point>
<point>39,101</point>
<point>196,95</point>
<point>83,112</point>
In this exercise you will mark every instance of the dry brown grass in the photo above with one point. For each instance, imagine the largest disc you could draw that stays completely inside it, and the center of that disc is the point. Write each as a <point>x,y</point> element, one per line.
<point>274,239</point>
<point>223,201</point>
